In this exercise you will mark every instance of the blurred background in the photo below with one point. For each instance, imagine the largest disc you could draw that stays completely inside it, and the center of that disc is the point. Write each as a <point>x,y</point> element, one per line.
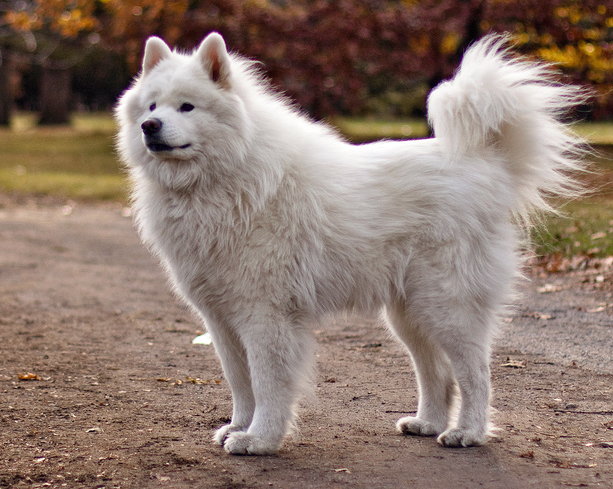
<point>365,66</point>
<point>334,57</point>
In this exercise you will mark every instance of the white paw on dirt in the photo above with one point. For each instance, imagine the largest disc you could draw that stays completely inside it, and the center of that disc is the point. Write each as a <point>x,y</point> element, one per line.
<point>222,433</point>
<point>460,437</point>
<point>420,427</point>
<point>241,443</point>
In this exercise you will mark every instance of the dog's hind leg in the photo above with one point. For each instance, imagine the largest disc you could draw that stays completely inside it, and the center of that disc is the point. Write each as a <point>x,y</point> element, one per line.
<point>236,370</point>
<point>470,361</point>
<point>437,387</point>
<point>280,356</point>
<point>462,328</point>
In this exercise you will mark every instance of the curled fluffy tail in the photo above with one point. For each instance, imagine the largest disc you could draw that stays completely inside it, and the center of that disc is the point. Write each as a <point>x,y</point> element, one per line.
<point>513,106</point>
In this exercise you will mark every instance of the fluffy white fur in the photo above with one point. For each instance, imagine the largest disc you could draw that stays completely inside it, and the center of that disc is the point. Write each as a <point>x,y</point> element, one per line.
<point>267,222</point>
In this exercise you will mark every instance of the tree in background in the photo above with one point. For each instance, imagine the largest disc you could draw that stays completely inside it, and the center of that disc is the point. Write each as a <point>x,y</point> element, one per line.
<point>347,57</point>
<point>576,36</point>
<point>125,24</point>
<point>60,32</point>
<point>342,56</point>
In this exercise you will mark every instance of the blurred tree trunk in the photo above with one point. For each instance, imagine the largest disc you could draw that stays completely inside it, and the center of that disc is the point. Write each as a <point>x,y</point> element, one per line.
<point>5,90</point>
<point>55,95</point>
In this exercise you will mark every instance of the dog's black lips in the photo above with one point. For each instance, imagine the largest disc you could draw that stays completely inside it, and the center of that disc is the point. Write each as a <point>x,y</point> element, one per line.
<point>160,147</point>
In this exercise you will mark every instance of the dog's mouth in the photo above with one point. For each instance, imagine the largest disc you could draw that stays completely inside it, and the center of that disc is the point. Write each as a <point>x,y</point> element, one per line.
<point>164,148</point>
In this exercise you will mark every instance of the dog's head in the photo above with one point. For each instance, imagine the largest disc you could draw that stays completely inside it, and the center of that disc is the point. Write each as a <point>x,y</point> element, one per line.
<point>183,113</point>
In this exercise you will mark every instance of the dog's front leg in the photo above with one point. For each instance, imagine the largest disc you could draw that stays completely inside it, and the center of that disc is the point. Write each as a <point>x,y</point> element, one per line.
<point>280,357</point>
<point>236,370</point>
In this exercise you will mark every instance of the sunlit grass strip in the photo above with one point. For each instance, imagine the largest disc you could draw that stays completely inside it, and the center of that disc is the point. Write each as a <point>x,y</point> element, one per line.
<point>65,185</point>
<point>599,133</point>
<point>76,161</point>
<point>82,122</point>
<point>360,130</point>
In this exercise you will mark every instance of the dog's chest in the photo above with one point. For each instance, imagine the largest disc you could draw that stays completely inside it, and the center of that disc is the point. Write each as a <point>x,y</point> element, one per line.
<point>214,249</point>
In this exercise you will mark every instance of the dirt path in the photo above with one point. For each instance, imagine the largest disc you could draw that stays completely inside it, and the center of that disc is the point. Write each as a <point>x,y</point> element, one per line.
<point>121,398</point>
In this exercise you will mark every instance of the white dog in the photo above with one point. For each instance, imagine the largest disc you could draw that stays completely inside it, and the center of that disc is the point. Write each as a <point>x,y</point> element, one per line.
<point>267,222</point>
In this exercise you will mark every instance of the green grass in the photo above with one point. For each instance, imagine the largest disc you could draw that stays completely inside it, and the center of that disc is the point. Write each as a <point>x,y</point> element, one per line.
<point>363,130</point>
<point>78,162</point>
<point>599,133</point>
<point>586,228</point>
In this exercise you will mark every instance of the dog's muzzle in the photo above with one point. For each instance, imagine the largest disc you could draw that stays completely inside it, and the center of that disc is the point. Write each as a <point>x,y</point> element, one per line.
<point>153,141</point>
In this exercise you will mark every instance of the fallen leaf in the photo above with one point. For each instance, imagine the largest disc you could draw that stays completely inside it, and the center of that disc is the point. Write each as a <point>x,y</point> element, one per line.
<point>559,463</point>
<point>193,380</point>
<point>514,363</point>
<point>538,315</point>
<point>28,376</point>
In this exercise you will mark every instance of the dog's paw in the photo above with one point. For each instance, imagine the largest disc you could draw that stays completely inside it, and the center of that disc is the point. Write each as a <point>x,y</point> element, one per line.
<point>241,443</point>
<point>419,427</point>
<point>460,437</point>
<point>222,433</point>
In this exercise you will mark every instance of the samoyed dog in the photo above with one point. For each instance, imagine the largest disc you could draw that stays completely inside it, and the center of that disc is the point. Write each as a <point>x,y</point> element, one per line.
<point>267,223</point>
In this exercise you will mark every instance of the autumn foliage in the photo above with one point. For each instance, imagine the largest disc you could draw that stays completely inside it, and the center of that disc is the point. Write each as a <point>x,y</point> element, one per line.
<point>349,56</point>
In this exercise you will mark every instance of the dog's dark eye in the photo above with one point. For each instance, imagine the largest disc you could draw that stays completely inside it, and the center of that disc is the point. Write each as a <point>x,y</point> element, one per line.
<point>152,107</point>
<point>186,107</point>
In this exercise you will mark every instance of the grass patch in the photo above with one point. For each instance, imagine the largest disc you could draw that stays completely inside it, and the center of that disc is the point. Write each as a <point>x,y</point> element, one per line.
<point>598,133</point>
<point>361,130</point>
<point>67,185</point>
<point>585,229</point>
<point>585,226</point>
<point>77,161</point>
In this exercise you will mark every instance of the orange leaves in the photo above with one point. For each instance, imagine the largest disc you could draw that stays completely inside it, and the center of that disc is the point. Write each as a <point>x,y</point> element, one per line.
<point>591,58</point>
<point>23,21</point>
<point>149,14</point>
<point>67,17</point>
<point>71,22</point>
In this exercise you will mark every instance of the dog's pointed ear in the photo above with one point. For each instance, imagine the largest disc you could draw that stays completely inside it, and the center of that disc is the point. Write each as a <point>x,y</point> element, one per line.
<point>155,51</point>
<point>215,58</point>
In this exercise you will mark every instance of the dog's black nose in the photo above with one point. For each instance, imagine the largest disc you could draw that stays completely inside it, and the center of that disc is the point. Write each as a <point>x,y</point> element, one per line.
<point>151,126</point>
